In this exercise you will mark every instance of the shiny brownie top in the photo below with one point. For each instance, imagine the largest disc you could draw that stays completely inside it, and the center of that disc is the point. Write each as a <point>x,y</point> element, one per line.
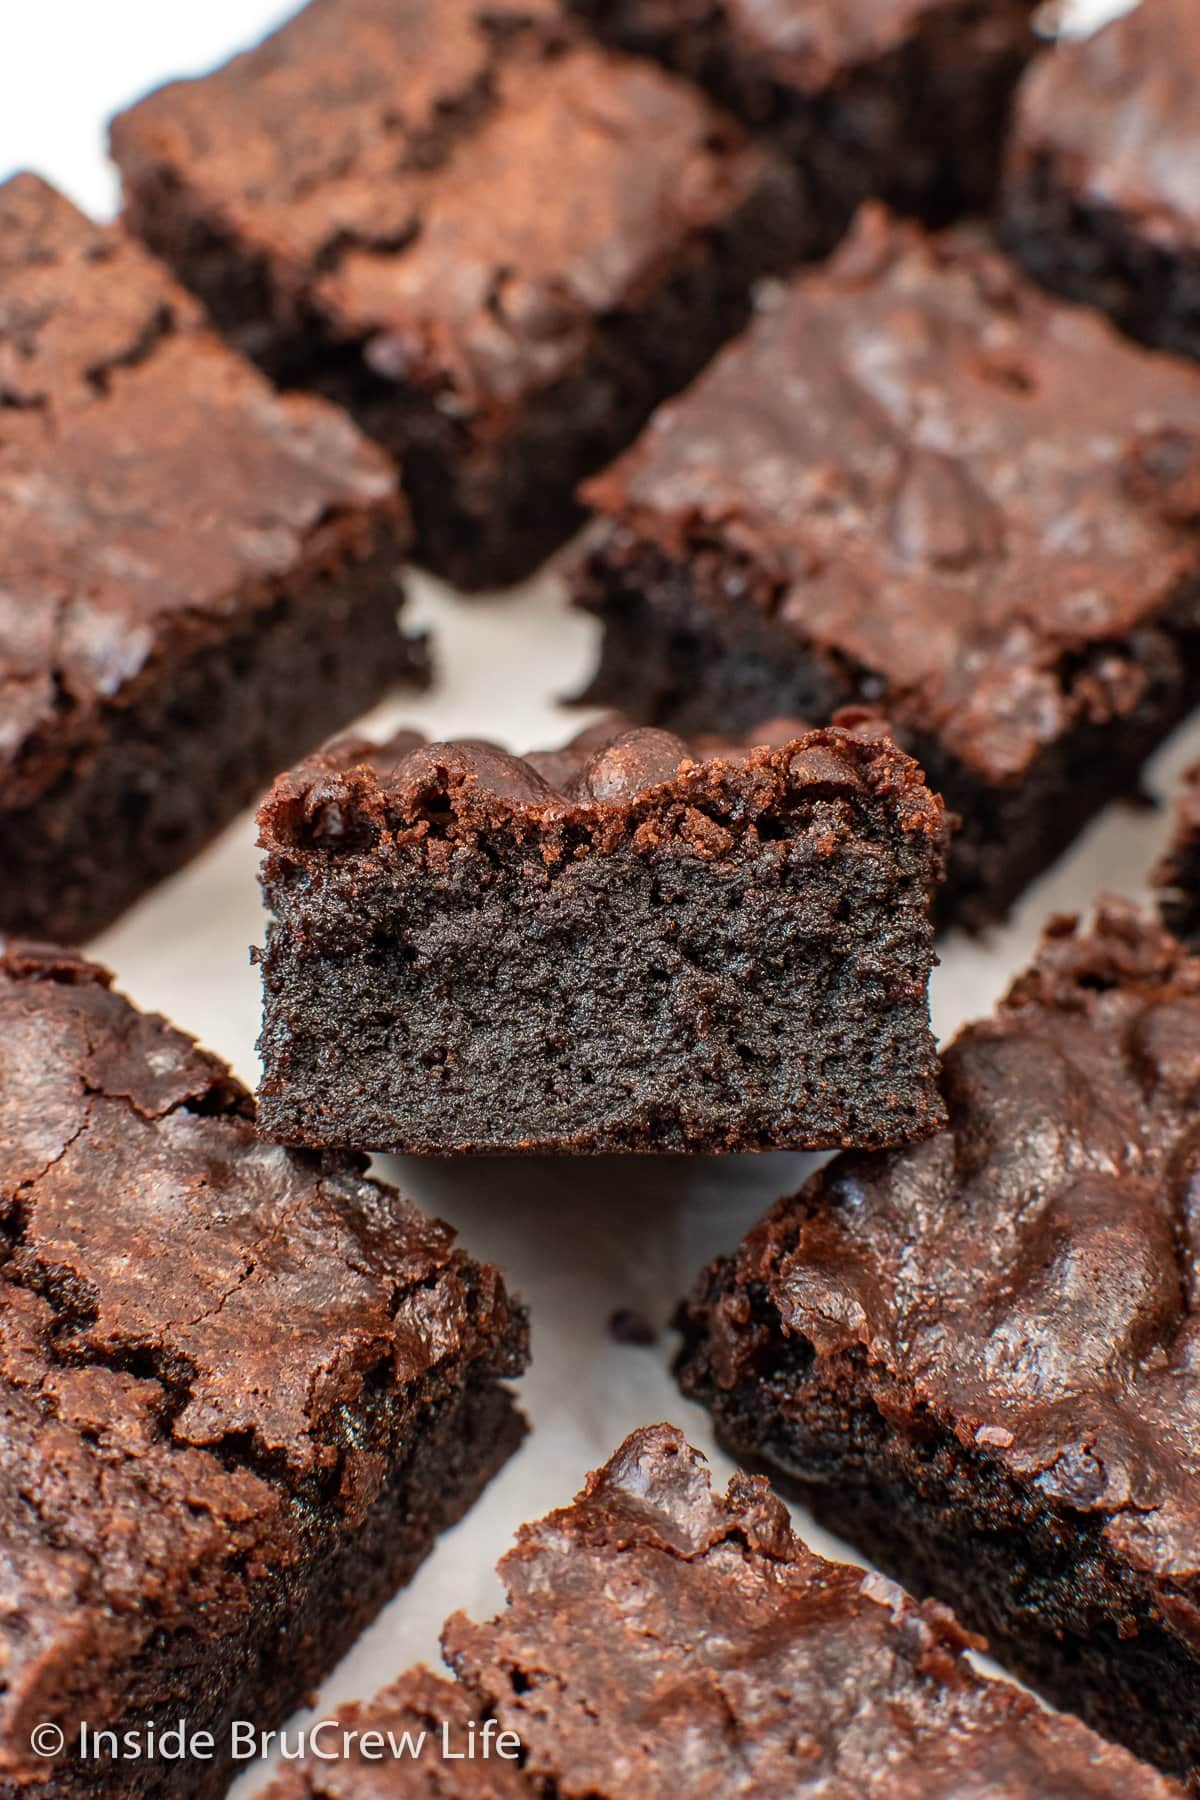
<point>450,181</point>
<point>355,793</point>
<point>1116,117</point>
<point>205,1339</point>
<point>918,463</point>
<point>1031,1277</point>
<point>657,1636</point>
<point>152,484</point>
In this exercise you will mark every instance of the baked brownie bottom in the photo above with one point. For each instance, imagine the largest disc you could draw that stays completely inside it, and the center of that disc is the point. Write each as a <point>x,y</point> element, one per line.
<point>1100,198</point>
<point>914,113</point>
<point>502,344</point>
<point>241,1390</point>
<point>659,1638</point>
<point>198,578</point>
<point>975,1360</point>
<point>916,482</point>
<point>622,945</point>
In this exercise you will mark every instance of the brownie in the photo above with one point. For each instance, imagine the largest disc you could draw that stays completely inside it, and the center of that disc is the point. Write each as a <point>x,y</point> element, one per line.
<point>920,482</point>
<point>1101,200</point>
<point>903,100</point>
<point>614,946</point>
<point>197,577</point>
<point>241,1390</point>
<point>496,248</point>
<point>659,1638</point>
<point>977,1358</point>
<point>1178,875</point>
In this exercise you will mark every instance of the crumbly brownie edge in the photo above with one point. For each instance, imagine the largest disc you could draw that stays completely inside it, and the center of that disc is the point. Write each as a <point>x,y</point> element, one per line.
<point>878,1468</point>
<point>176,754</point>
<point>942,101</point>
<point>675,653</point>
<point>311,1614</point>
<point>487,515</point>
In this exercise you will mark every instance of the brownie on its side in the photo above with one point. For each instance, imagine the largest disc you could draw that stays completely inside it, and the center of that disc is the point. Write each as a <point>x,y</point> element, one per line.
<point>902,100</point>
<point>1101,199</point>
<point>918,481</point>
<point>197,577</point>
<point>1178,875</point>
<point>241,1390</point>
<point>496,249</point>
<point>612,946</point>
<point>659,1639</point>
<point>979,1356</point>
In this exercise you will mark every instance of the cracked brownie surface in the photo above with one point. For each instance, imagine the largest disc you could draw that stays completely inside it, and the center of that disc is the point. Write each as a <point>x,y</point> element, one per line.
<point>979,1355</point>
<point>916,480</point>
<point>229,1374</point>
<point>497,247</point>
<point>182,551</point>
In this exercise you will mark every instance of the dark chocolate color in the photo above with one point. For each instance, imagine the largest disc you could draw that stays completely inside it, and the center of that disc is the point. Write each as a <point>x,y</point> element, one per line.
<point>1178,875</point>
<point>1101,197</point>
<point>240,1390</point>
<point>979,1355</point>
<point>619,945</point>
<point>918,481</point>
<point>197,577</point>
<point>902,100</point>
<point>497,250</point>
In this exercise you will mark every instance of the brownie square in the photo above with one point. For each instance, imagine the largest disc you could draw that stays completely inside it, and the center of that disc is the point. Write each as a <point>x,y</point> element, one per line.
<point>902,100</point>
<point>197,578</point>
<point>620,945</point>
<point>1101,199</point>
<point>496,249</point>
<point>978,1358</point>
<point>919,482</point>
<point>241,1390</point>
<point>661,1639</point>
<point>1177,877</point>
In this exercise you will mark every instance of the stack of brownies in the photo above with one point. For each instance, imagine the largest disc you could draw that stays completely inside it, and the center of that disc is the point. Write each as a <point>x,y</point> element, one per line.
<point>898,573</point>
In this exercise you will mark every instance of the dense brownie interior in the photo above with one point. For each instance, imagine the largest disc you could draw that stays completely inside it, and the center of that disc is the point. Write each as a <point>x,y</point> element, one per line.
<point>608,947</point>
<point>1101,200</point>
<point>918,482</point>
<point>497,248</point>
<point>241,1390</point>
<point>893,100</point>
<point>198,577</point>
<point>977,1356</point>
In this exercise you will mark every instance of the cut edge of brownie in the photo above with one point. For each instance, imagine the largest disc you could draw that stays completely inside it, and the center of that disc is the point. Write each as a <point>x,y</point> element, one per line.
<point>393,1463</point>
<point>1177,877</point>
<point>442,902</point>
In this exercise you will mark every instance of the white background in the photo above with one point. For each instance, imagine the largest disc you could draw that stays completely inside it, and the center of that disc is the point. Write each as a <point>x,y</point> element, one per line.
<point>578,1238</point>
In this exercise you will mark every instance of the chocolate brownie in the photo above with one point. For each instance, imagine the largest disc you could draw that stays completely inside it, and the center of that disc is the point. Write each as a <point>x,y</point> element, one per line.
<point>919,481</point>
<point>197,577</point>
<point>978,1356</point>
<point>1178,875</point>
<point>241,1390</point>
<point>660,1639</point>
<point>613,946</point>
<point>903,100</point>
<point>1101,199</point>
<point>496,249</point>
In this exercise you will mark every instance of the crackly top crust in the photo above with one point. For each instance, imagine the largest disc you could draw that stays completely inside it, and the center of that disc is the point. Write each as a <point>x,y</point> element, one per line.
<point>447,180</point>
<point>1032,1275</point>
<point>968,489</point>
<point>208,1344</point>
<point>151,483</point>
<point>656,1633</point>
<point>1117,112</point>
<point>609,778</point>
